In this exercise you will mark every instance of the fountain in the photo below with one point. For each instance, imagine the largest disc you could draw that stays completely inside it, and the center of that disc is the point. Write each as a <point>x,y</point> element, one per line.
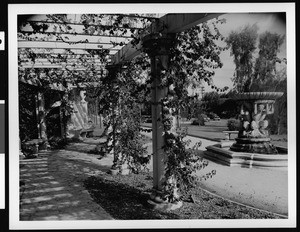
<point>252,147</point>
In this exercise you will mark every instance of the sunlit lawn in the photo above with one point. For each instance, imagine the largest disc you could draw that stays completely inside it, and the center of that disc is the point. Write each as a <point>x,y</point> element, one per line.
<point>213,130</point>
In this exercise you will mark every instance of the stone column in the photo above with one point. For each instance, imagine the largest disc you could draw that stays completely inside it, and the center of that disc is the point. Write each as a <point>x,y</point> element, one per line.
<point>84,107</point>
<point>37,115</point>
<point>21,155</point>
<point>112,74</point>
<point>42,130</point>
<point>61,120</point>
<point>157,46</point>
<point>41,116</point>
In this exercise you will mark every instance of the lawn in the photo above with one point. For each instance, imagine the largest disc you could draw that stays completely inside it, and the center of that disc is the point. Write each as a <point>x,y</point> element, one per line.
<point>213,130</point>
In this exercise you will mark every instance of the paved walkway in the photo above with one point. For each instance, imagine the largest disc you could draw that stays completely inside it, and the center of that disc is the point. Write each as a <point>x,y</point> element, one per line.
<point>54,190</point>
<point>53,186</point>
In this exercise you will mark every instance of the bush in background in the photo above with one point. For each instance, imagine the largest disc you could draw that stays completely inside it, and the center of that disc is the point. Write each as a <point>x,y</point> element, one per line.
<point>233,124</point>
<point>199,121</point>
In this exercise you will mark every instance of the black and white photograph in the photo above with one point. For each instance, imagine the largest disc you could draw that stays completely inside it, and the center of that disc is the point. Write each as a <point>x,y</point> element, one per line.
<point>125,116</point>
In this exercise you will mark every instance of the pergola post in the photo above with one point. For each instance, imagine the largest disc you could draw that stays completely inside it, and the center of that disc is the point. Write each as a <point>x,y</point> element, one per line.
<point>157,46</point>
<point>42,130</point>
<point>112,72</point>
<point>41,117</point>
<point>63,127</point>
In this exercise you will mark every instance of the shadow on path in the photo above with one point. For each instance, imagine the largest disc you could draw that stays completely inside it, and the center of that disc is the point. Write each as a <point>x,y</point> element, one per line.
<point>51,187</point>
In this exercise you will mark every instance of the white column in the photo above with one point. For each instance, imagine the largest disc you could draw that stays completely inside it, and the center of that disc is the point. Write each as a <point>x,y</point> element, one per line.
<point>157,46</point>
<point>41,116</point>
<point>158,141</point>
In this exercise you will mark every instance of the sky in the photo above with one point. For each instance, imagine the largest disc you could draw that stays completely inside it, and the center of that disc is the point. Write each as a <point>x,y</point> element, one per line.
<point>266,22</point>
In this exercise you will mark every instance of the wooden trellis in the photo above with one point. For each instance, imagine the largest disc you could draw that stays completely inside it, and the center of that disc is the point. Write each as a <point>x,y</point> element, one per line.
<point>118,53</point>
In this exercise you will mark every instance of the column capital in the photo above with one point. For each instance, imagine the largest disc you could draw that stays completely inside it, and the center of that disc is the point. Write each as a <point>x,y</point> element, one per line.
<point>113,69</point>
<point>113,66</point>
<point>158,44</point>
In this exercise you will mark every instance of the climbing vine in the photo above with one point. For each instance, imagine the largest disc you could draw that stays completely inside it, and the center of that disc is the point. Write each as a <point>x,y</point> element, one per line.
<point>192,59</point>
<point>122,94</point>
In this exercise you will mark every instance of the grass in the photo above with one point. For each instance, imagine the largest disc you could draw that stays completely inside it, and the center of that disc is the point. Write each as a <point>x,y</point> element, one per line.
<point>125,198</point>
<point>213,130</point>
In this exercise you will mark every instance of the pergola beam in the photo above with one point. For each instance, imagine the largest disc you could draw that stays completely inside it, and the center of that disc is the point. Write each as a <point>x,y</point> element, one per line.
<point>54,66</point>
<point>55,59</point>
<point>88,24</point>
<point>137,16</point>
<point>174,23</point>
<point>77,34</point>
<point>62,51</point>
<point>65,42</point>
<point>169,23</point>
<point>63,45</point>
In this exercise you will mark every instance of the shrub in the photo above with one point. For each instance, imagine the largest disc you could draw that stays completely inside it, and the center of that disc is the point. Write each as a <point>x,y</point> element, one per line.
<point>199,121</point>
<point>233,124</point>
<point>126,140</point>
<point>57,142</point>
<point>181,165</point>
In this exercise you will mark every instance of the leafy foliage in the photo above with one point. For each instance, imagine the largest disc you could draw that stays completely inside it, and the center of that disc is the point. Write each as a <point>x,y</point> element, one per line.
<point>120,99</point>
<point>233,124</point>
<point>265,65</point>
<point>254,74</point>
<point>181,164</point>
<point>192,59</point>
<point>243,45</point>
<point>27,115</point>
<point>195,56</point>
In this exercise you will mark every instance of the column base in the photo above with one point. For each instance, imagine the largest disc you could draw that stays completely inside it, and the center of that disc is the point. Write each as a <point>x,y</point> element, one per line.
<point>119,170</point>
<point>114,171</point>
<point>157,203</point>
<point>164,206</point>
<point>21,155</point>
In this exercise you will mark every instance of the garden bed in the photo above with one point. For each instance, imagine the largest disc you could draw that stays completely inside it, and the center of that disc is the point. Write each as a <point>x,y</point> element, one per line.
<point>125,198</point>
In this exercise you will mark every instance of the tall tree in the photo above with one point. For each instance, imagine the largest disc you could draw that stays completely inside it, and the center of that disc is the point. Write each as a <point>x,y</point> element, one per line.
<point>243,45</point>
<point>265,64</point>
<point>212,101</point>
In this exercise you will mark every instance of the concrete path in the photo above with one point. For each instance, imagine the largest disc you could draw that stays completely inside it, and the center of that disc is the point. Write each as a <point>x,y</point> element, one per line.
<point>53,187</point>
<point>266,189</point>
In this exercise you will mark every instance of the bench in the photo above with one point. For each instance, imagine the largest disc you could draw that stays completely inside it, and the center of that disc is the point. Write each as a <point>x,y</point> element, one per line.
<point>86,133</point>
<point>228,133</point>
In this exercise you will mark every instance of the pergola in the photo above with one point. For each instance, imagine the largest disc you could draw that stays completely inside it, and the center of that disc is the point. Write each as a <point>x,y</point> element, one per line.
<point>158,30</point>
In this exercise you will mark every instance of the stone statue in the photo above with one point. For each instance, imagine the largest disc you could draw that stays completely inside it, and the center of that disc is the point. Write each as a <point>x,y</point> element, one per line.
<point>82,95</point>
<point>255,126</point>
<point>259,124</point>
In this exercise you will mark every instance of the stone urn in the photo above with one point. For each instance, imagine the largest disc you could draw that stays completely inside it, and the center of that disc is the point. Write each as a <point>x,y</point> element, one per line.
<point>253,136</point>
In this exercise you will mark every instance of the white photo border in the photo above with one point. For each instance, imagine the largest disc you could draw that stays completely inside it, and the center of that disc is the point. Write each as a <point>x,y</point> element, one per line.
<point>16,9</point>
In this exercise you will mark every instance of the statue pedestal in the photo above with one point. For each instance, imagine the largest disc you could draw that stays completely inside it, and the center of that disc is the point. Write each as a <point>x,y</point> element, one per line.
<point>254,145</point>
<point>226,156</point>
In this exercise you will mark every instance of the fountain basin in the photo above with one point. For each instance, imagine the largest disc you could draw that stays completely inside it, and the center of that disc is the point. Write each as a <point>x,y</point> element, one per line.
<point>224,155</point>
<point>254,145</point>
<point>248,96</point>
